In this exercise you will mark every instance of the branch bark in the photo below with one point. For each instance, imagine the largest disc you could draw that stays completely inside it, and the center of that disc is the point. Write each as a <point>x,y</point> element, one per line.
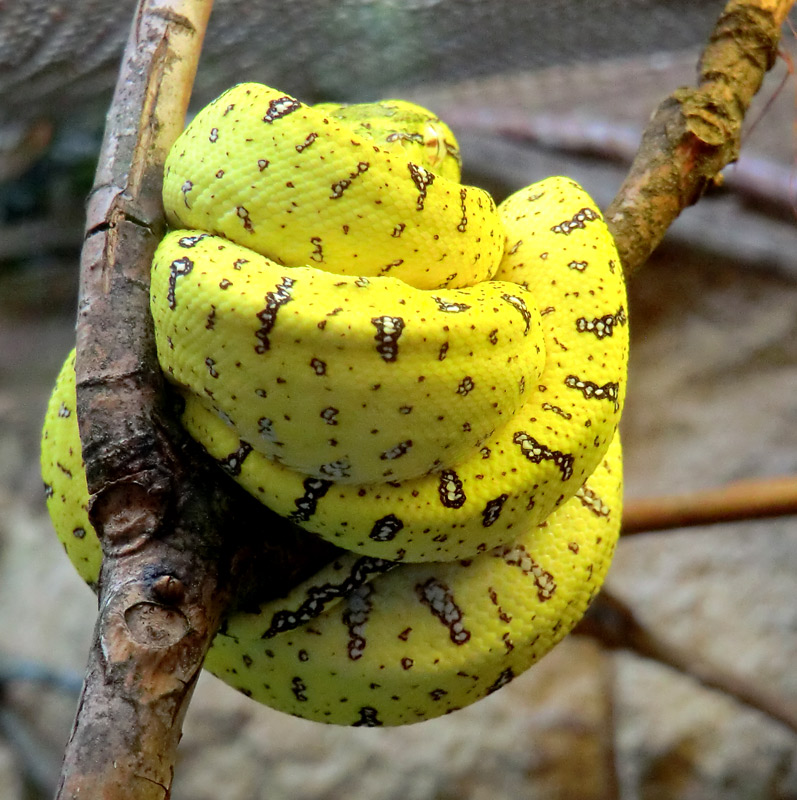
<point>178,542</point>
<point>614,624</point>
<point>695,132</point>
<point>742,500</point>
<point>149,636</point>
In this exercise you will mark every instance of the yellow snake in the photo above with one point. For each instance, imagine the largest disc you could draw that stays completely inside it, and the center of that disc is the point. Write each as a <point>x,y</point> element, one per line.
<point>380,355</point>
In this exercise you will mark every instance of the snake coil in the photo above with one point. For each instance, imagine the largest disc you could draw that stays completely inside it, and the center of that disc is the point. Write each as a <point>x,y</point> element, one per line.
<point>379,354</point>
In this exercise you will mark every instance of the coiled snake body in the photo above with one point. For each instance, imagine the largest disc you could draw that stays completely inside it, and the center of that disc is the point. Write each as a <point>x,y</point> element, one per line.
<point>380,355</point>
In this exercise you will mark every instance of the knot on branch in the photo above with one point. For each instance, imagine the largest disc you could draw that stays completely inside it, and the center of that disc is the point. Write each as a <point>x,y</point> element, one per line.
<point>709,117</point>
<point>153,625</point>
<point>128,512</point>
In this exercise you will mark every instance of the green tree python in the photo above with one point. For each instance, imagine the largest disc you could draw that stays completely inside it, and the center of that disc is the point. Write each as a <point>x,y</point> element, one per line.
<point>382,356</point>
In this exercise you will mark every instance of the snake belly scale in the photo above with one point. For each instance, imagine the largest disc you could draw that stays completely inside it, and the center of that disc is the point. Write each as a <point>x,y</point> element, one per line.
<point>385,358</point>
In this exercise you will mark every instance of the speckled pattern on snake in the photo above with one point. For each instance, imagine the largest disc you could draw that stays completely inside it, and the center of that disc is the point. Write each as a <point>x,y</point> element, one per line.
<point>382,356</point>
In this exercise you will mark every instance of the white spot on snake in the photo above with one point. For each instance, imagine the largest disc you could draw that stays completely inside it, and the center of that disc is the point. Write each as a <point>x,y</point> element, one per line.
<point>579,220</point>
<point>520,305</point>
<point>388,331</point>
<point>593,502</point>
<point>299,688</point>
<point>311,137</point>
<point>265,427</point>
<point>466,386</point>
<point>590,390</point>
<point>355,617</point>
<point>234,461</point>
<point>243,215</point>
<point>463,223</point>
<point>438,597</point>
<point>556,410</point>
<point>340,186</point>
<point>448,307</point>
<point>537,453</point>
<point>369,718</point>
<point>386,528</point>
<point>314,490</point>
<point>280,107</point>
<point>450,489</point>
<point>329,415</point>
<point>516,555</point>
<point>317,598</point>
<point>177,269</point>
<point>192,241</point>
<point>268,316</point>
<point>185,189</point>
<point>336,470</point>
<point>422,180</point>
<point>398,450</point>
<point>601,326</point>
<point>492,510</point>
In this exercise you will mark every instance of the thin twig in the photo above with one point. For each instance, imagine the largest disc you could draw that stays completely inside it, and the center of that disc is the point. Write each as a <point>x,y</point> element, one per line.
<point>734,502</point>
<point>616,627</point>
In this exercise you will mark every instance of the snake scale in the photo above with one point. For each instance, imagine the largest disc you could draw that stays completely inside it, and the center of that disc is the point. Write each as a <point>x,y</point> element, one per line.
<point>385,358</point>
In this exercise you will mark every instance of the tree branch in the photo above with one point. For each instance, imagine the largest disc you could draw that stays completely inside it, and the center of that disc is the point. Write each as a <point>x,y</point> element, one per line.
<point>742,500</point>
<point>150,633</point>
<point>613,623</point>
<point>695,132</point>
<point>179,541</point>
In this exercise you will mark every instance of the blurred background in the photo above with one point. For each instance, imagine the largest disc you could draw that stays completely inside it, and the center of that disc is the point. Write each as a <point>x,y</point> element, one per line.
<point>531,89</point>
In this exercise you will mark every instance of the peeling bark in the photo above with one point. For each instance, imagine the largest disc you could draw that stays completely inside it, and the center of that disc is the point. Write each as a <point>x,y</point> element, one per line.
<point>695,132</point>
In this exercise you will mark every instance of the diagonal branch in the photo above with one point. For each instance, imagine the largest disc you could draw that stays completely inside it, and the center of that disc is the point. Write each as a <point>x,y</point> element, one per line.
<point>614,624</point>
<point>695,132</point>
